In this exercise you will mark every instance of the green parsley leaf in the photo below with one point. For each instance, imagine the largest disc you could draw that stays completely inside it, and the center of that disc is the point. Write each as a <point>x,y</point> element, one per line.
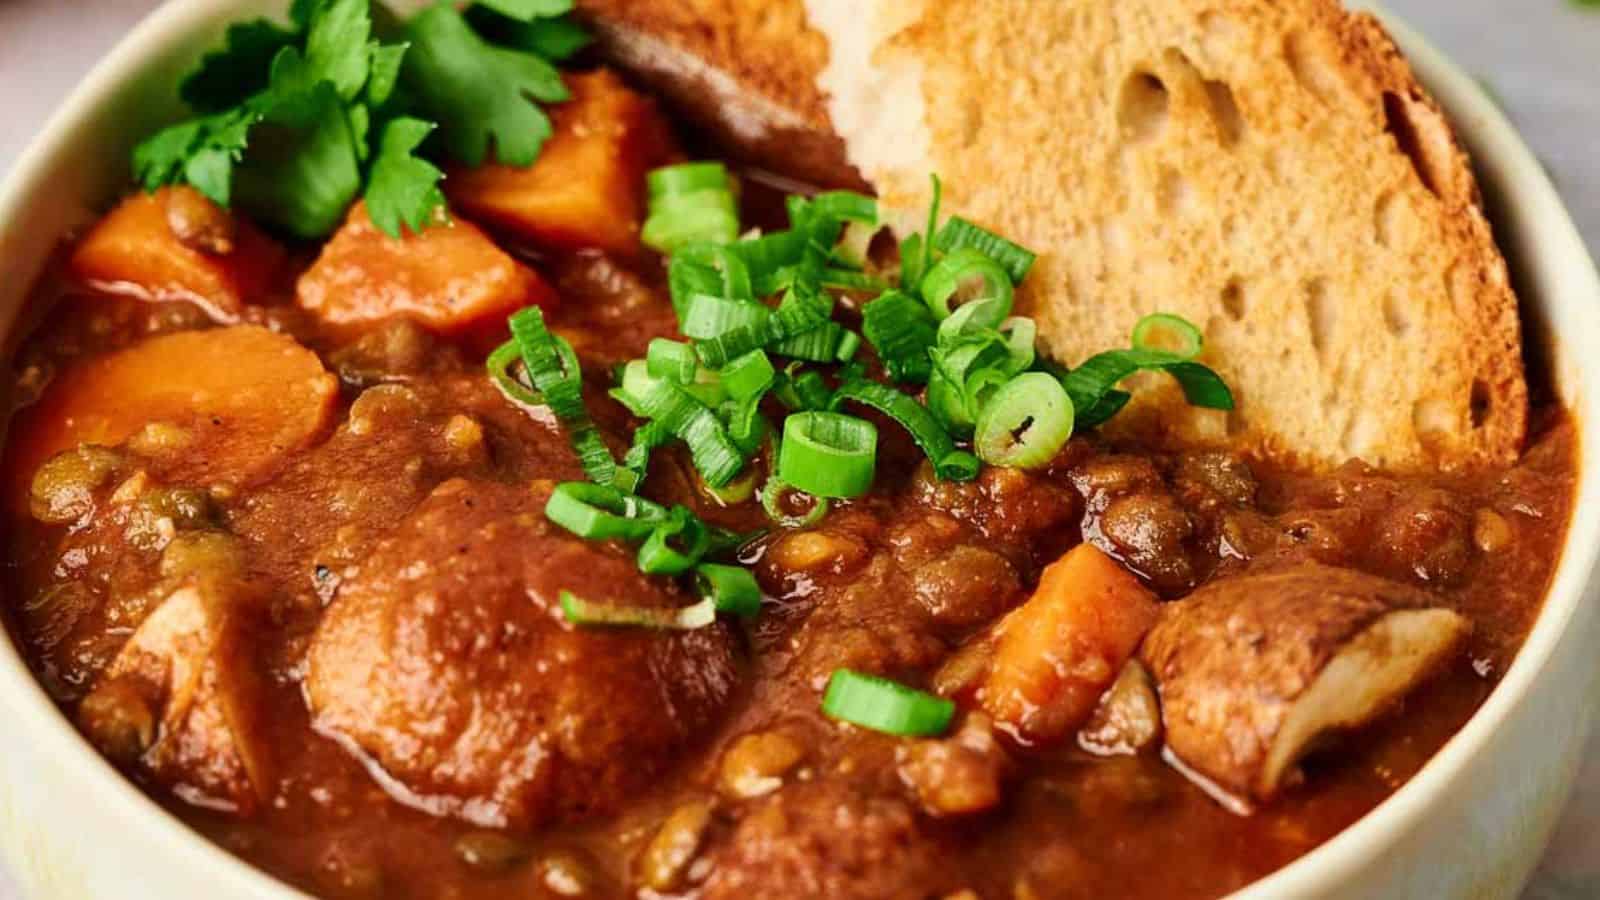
<point>479,93</point>
<point>227,77</point>
<point>556,39</point>
<point>303,169</point>
<point>337,46</point>
<point>200,151</point>
<point>386,62</point>
<point>403,188</point>
<point>528,10</point>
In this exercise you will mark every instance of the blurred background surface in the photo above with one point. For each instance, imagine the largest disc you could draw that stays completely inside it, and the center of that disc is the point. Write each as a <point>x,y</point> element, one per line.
<point>1539,58</point>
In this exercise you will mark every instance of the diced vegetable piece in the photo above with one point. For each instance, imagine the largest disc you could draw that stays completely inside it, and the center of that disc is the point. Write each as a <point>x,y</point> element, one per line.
<point>587,188</point>
<point>1056,654</point>
<point>451,278</point>
<point>177,245</point>
<point>244,398</point>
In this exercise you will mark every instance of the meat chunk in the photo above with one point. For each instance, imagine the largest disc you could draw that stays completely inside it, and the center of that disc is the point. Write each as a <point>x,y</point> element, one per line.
<point>445,658</point>
<point>177,245</point>
<point>183,698</point>
<point>827,839</point>
<point>586,189</point>
<point>1252,669</point>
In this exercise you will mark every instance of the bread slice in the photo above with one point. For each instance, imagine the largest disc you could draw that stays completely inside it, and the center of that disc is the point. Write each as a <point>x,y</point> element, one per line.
<point>1269,169</point>
<point>743,71</point>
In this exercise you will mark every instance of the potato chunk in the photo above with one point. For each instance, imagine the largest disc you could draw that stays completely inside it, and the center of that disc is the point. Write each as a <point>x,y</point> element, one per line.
<point>189,669</point>
<point>242,398</point>
<point>1253,669</point>
<point>586,189</point>
<point>1056,654</point>
<point>451,278</point>
<point>177,245</point>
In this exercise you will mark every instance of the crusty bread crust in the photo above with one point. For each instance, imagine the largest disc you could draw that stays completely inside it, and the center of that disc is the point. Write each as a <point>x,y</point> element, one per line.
<point>1270,170</point>
<point>743,71</point>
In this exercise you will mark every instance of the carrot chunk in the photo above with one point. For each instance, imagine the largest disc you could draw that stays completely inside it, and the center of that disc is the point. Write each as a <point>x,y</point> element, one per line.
<point>228,406</point>
<point>586,189</point>
<point>177,245</point>
<point>449,277</point>
<point>1057,653</point>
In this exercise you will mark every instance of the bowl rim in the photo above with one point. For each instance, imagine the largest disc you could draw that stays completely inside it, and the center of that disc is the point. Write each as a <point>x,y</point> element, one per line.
<point>1332,863</point>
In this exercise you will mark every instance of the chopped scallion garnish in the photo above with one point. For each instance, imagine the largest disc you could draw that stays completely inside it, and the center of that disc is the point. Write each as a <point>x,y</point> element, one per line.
<point>828,454</point>
<point>579,611</point>
<point>886,706</point>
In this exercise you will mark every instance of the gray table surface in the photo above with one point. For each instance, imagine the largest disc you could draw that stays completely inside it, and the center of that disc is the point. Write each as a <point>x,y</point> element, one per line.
<point>1540,57</point>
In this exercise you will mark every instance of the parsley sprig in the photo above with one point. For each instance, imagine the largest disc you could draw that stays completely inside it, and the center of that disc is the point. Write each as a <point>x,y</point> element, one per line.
<point>292,123</point>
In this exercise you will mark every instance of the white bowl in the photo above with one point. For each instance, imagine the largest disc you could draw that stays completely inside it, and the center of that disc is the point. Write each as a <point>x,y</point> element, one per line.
<point>1472,823</point>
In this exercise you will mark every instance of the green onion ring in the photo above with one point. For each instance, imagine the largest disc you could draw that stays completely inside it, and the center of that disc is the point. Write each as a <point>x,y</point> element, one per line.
<point>945,279</point>
<point>1025,423</point>
<point>828,454</point>
<point>601,512</point>
<point>1191,341</point>
<point>772,494</point>
<point>733,589</point>
<point>581,612</point>
<point>886,706</point>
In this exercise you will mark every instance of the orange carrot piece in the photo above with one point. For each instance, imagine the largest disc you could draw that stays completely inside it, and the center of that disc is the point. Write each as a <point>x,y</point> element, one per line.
<point>242,400</point>
<point>449,277</point>
<point>221,265</point>
<point>1057,653</point>
<point>586,189</point>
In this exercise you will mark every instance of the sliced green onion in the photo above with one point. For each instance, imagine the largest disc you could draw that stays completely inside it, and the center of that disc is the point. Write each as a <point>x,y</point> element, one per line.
<point>749,375</point>
<point>1154,326</point>
<point>686,178</point>
<point>950,463</point>
<point>710,448</point>
<point>706,386</point>
<point>901,331</point>
<point>500,364</point>
<point>828,454</point>
<point>600,512</point>
<point>926,263</point>
<point>959,234</point>
<point>646,438</point>
<point>672,360</point>
<point>828,342</point>
<point>733,589</point>
<point>803,390</point>
<point>707,316</point>
<point>886,706</point>
<point>675,545</point>
<point>844,279</point>
<point>553,369</point>
<point>845,205</point>
<point>747,428</point>
<point>855,244</point>
<point>1092,386</point>
<point>950,274</point>
<point>701,216</point>
<point>773,494</point>
<point>736,491</point>
<point>799,314</point>
<point>690,203</point>
<point>1025,423</point>
<point>579,611</point>
<point>1020,334</point>
<point>911,268</point>
<point>768,257</point>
